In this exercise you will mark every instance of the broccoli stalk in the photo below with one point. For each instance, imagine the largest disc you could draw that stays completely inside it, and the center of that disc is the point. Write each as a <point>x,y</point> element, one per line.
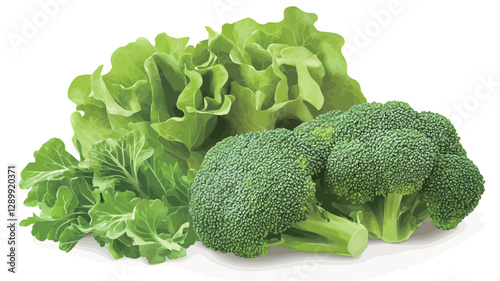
<point>324,233</point>
<point>392,218</point>
<point>392,203</point>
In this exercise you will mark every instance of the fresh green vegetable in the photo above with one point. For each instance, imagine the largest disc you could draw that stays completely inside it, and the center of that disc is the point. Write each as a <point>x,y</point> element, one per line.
<point>394,165</point>
<point>256,190</point>
<point>250,77</point>
<point>142,127</point>
<point>125,194</point>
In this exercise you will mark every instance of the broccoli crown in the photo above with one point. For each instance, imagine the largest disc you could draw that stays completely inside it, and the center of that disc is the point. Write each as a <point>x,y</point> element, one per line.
<point>406,158</point>
<point>391,161</point>
<point>441,132</point>
<point>319,135</point>
<point>452,191</point>
<point>250,186</point>
<point>350,173</point>
<point>363,121</point>
<point>393,115</point>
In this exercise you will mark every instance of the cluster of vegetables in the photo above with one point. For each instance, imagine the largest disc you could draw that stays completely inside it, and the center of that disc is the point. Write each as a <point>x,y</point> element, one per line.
<point>376,170</point>
<point>247,139</point>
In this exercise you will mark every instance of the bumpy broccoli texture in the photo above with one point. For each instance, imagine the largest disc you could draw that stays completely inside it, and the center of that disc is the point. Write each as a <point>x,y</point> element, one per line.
<point>394,165</point>
<point>376,170</point>
<point>257,189</point>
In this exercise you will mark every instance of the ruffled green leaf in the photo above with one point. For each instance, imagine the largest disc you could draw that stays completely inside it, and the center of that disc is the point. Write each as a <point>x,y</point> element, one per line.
<point>248,77</point>
<point>52,162</point>
<point>157,232</point>
<point>64,210</point>
<point>110,217</point>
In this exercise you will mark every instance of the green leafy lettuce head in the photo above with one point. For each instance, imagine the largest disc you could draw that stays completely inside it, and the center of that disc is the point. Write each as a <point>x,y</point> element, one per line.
<point>249,77</point>
<point>283,73</point>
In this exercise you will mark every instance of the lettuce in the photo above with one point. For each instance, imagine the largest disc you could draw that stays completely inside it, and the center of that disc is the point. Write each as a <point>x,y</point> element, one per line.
<point>125,194</point>
<point>249,77</point>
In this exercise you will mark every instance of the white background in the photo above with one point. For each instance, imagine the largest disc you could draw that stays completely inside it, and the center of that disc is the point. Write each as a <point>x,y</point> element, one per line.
<point>436,55</point>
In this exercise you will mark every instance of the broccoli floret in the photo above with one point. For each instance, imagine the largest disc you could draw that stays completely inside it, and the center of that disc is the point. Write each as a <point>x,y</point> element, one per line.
<point>319,135</point>
<point>406,158</point>
<point>389,165</point>
<point>256,190</point>
<point>446,138</point>
<point>452,191</point>
<point>351,172</point>
<point>359,122</point>
<point>394,165</point>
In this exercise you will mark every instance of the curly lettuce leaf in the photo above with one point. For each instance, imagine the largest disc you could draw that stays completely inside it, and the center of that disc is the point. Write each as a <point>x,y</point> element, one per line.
<point>64,211</point>
<point>248,77</point>
<point>60,186</point>
<point>118,162</point>
<point>52,163</point>
<point>283,73</point>
<point>149,226</point>
<point>126,194</point>
<point>110,217</point>
<point>137,163</point>
<point>155,84</point>
<point>158,232</point>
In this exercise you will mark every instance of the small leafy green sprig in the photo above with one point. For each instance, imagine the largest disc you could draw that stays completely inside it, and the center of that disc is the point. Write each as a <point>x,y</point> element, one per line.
<point>126,194</point>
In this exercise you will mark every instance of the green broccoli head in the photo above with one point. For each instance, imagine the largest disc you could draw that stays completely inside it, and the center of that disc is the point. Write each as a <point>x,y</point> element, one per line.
<point>441,132</point>
<point>393,115</point>
<point>452,191</point>
<point>257,189</point>
<point>319,135</point>
<point>388,165</point>
<point>382,160</point>
<point>405,159</point>
<point>362,121</point>
<point>391,161</point>
<point>351,174</point>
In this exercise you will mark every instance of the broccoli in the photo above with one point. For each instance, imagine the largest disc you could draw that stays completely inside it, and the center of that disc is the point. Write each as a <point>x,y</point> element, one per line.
<point>452,191</point>
<point>257,189</point>
<point>394,165</point>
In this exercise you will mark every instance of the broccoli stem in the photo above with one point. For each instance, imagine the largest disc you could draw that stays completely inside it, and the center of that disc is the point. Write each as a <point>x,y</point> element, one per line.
<point>325,233</point>
<point>392,218</point>
<point>371,218</point>
<point>390,224</point>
